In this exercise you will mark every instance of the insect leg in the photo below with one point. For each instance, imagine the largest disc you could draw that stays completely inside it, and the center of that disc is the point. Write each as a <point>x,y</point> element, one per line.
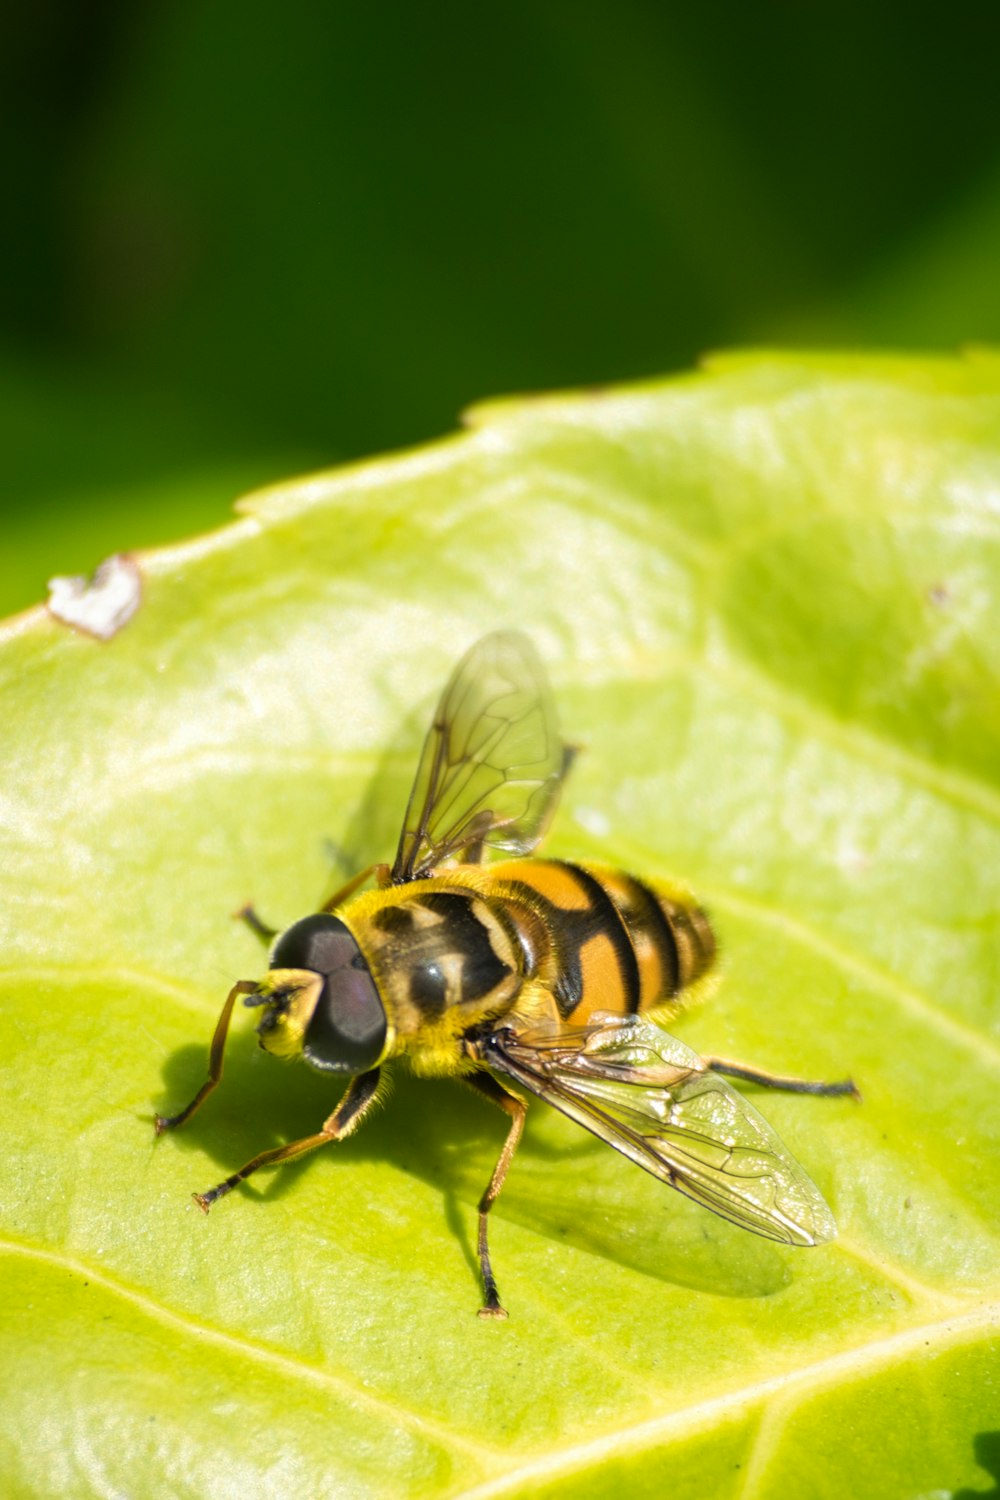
<point>258,927</point>
<point>487,1085</point>
<point>382,876</point>
<point>778,1081</point>
<point>215,1051</point>
<point>346,1117</point>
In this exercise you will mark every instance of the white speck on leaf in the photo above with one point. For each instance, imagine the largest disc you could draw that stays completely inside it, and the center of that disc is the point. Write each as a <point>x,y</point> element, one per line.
<point>101,605</point>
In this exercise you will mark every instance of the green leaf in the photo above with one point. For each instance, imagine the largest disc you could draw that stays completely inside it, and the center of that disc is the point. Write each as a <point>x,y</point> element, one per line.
<point>768,596</point>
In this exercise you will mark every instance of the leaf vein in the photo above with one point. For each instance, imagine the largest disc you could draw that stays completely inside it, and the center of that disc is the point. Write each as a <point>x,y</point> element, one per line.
<point>863,1359</point>
<point>296,1369</point>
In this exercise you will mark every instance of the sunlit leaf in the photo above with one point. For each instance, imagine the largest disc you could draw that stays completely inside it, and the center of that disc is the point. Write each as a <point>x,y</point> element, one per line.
<point>768,597</point>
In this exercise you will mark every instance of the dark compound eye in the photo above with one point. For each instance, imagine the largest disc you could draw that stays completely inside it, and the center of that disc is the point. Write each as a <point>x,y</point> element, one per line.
<point>348,1028</point>
<point>321,943</point>
<point>347,1031</point>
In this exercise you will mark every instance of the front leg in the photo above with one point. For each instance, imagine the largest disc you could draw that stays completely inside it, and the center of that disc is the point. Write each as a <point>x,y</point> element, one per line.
<point>215,1053</point>
<point>357,1100</point>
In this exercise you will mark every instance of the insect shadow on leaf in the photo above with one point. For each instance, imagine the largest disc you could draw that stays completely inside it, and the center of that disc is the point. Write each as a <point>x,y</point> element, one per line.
<point>986,1448</point>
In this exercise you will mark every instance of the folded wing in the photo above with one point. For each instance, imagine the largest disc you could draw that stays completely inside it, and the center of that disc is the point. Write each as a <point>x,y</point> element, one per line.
<point>653,1099</point>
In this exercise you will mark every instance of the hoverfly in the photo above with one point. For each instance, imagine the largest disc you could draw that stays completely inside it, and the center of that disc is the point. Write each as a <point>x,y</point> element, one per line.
<point>533,975</point>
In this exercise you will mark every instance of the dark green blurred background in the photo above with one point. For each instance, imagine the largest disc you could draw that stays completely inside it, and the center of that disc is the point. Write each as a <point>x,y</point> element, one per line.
<point>241,240</point>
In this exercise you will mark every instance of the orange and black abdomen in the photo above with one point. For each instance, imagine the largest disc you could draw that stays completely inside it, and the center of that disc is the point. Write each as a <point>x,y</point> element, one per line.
<point>603,939</point>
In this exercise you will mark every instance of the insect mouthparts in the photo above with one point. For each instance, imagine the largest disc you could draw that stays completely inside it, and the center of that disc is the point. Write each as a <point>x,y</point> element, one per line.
<point>278,998</point>
<point>275,1005</point>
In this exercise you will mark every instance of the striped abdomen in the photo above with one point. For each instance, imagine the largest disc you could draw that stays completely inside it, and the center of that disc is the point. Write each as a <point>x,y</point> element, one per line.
<point>602,939</point>
<point>458,949</point>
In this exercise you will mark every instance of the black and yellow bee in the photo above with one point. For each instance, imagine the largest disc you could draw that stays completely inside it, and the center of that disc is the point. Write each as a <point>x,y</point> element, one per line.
<point>537,973</point>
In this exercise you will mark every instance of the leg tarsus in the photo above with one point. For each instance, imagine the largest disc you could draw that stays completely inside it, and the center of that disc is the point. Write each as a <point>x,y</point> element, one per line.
<point>843,1087</point>
<point>256,924</point>
<point>492,1310</point>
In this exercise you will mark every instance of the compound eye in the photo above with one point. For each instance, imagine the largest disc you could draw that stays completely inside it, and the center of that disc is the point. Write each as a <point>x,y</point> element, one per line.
<point>321,943</point>
<point>348,1028</point>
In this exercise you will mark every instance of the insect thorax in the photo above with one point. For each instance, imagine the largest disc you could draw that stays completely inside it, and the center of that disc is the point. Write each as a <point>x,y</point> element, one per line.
<point>444,958</point>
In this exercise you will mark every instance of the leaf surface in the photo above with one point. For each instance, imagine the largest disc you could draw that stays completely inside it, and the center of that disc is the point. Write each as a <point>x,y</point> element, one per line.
<point>768,596</point>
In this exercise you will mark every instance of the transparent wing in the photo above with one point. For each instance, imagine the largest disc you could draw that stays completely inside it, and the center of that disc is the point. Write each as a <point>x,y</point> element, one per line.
<point>653,1099</point>
<point>492,764</point>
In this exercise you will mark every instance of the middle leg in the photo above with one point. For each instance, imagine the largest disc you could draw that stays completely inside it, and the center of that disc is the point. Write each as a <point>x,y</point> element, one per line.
<point>486,1084</point>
